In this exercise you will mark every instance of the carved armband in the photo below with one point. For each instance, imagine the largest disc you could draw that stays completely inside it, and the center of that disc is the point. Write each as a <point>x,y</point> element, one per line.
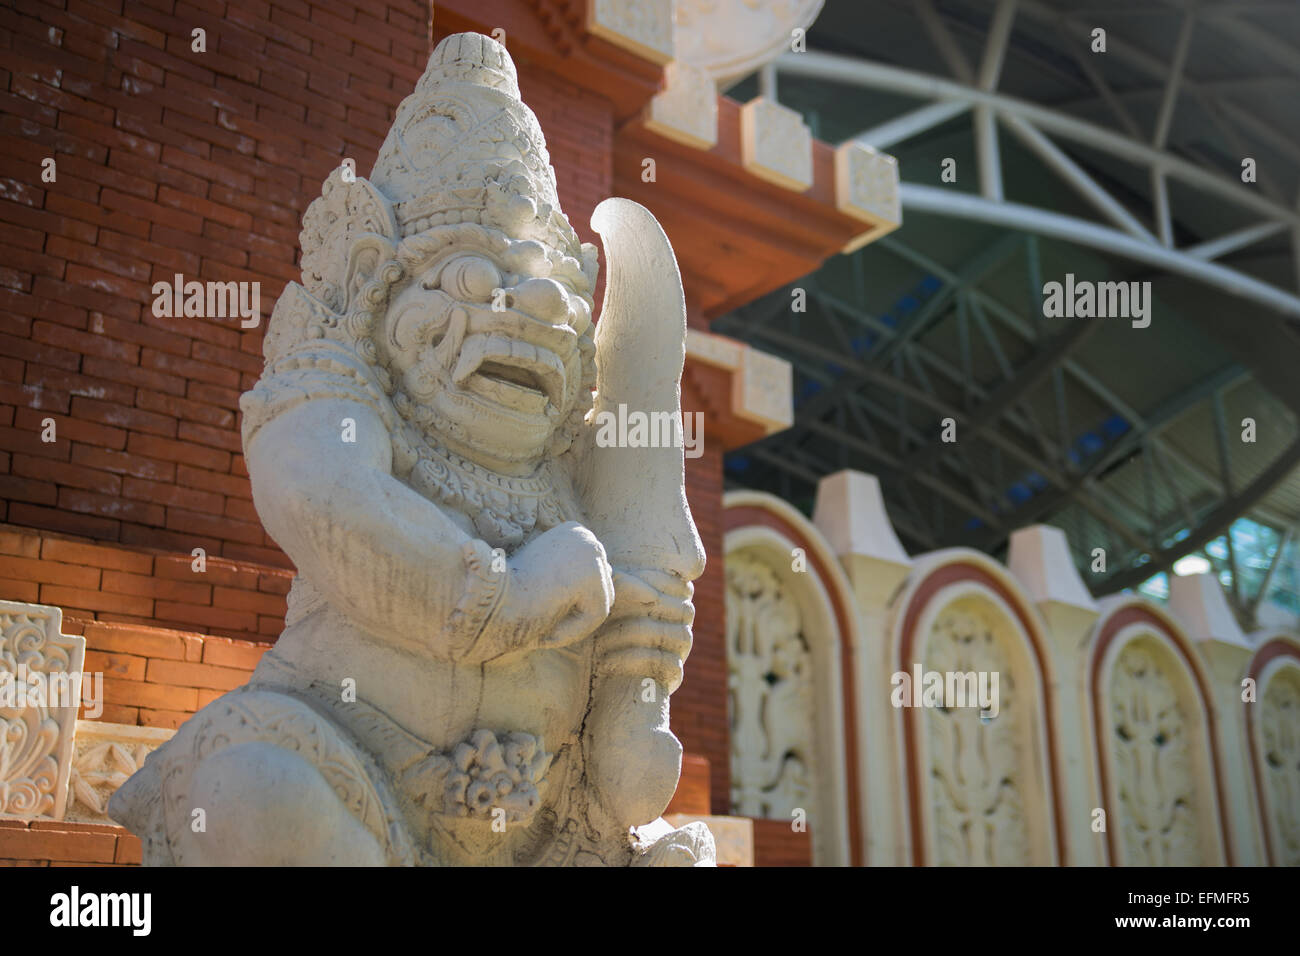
<point>484,591</point>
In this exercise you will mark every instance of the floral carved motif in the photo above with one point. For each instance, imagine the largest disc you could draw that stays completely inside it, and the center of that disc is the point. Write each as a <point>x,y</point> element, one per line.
<point>1280,730</point>
<point>40,684</point>
<point>104,757</point>
<point>977,765</point>
<point>1150,746</point>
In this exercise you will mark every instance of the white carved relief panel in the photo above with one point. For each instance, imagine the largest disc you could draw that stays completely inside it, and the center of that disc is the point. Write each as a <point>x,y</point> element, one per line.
<point>730,38</point>
<point>104,756</point>
<point>1151,743</point>
<point>40,691</point>
<point>770,693</point>
<point>1279,729</point>
<point>979,767</point>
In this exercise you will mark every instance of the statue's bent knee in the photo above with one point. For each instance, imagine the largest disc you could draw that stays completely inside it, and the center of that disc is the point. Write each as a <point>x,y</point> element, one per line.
<point>263,805</point>
<point>259,777</point>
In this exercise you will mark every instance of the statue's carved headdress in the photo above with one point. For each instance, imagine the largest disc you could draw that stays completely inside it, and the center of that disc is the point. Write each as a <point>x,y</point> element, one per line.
<point>464,148</point>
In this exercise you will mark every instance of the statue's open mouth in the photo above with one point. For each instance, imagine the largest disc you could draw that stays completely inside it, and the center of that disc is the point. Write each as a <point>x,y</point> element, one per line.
<point>512,372</point>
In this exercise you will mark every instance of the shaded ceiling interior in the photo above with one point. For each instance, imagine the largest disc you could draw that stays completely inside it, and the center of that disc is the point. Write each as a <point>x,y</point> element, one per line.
<point>1129,439</point>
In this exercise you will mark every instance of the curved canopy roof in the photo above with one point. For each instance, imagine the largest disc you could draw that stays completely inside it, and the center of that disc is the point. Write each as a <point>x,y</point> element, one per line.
<point>1148,441</point>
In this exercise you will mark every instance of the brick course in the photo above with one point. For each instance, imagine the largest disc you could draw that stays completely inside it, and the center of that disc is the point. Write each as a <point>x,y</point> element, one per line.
<point>63,843</point>
<point>111,583</point>
<point>157,677</point>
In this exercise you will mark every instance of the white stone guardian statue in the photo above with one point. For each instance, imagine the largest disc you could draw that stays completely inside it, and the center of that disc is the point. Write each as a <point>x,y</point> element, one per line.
<point>490,610</point>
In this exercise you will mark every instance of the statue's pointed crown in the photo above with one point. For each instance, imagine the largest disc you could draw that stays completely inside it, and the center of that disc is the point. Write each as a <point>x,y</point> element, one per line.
<point>464,148</point>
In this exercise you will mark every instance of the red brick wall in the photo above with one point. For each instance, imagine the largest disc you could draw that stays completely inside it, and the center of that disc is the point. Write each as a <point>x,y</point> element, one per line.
<point>139,586</point>
<point>699,708</point>
<point>154,677</point>
<point>168,161</point>
<point>776,844</point>
<point>200,163</point>
<point>692,794</point>
<point>59,843</point>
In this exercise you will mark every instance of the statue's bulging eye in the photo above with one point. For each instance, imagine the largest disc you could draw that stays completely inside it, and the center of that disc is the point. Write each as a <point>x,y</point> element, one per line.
<point>470,279</point>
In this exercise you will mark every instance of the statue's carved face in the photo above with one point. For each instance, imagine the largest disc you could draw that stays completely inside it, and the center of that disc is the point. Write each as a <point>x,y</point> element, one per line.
<point>490,344</point>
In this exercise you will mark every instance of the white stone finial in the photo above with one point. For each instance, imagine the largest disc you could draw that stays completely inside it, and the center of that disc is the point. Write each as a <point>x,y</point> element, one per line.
<point>1199,603</point>
<point>851,513</point>
<point>1039,556</point>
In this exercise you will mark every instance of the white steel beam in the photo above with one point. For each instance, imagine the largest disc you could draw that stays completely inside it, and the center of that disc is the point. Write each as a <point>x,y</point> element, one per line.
<point>943,41</point>
<point>841,69</point>
<point>995,50</point>
<point>1070,229</point>
<point>1166,116</point>
<point>1256,38</point>
<point>910,124</point>
<point>1072,173</point>
<point>1099,83</point>
<point>988,153</point>
<point>1160,200</point>
<point>1231,242</point>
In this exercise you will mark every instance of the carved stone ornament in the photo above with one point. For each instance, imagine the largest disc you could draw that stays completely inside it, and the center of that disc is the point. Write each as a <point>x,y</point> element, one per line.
<point>1280,730</point>
<point>491,609</point>
<point>977,766</point>
<point>769,674</point>
<point>776,145</point>
<point>1152,759</point>
<point>104,757</point>
<point>686,110</point>
<point>733,38</point>
<point>40,691</point>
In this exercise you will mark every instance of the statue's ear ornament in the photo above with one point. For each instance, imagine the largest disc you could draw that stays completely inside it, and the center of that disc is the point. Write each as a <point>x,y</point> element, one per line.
<point>298,316</point>
<point>346,209</point>
<point>349,246</point>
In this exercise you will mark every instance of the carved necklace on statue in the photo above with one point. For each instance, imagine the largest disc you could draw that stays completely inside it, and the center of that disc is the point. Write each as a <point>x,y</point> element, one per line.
<point>504,510</point>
